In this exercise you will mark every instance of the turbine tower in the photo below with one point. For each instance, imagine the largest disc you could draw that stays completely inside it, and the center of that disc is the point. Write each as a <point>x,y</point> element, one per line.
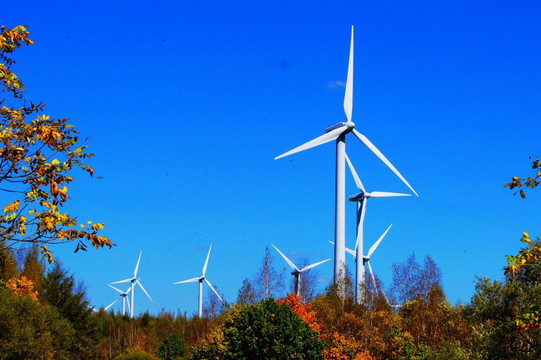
<point>338,132</point>
<point>362,199</point>
<point>133,280</point>
<point>201,279</point>
<point>123,295</point>
<point>296,272</point>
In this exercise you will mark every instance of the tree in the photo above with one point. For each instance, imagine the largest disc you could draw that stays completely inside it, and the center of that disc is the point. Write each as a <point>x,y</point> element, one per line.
<point>411,281</point>
<point>29,330</point>
<point>37,156</point>
<point>246,295</point>
<point>268,281</point>
<point>69,299</point>
<point>530,182</point>
<point>266,330</point>
<point>171,348</point>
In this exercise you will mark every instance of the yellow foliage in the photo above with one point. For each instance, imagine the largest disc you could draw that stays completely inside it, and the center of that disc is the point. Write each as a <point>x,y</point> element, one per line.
<point>22,287</point>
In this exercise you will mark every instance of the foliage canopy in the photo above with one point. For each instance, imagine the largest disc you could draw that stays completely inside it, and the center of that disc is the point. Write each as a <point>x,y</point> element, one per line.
<point>37,154</point>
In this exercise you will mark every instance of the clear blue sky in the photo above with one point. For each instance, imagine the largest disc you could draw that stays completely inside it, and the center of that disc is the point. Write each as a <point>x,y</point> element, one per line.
<point>187,103</point>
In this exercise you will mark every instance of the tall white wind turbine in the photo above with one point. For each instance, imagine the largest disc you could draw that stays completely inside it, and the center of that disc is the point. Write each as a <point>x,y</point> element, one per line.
<point>296,272</point>
<point>362,199</point>
<point>338,132</point>
<point>201,279</point>
<point>123,295</point>
<point>133,280</point>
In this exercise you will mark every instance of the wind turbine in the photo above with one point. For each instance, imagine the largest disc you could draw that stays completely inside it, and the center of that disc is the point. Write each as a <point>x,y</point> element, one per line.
<point>361,199</point>
<point>338,132</point>
<point>201,279</point>
<point>366,260</point>
<point>123,294</point>
<point>133,280</point>
<point>296,272</point>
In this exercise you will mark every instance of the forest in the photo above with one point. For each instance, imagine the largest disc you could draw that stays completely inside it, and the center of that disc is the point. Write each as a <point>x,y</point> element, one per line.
<point>45,314</point>
<point>45,311</point>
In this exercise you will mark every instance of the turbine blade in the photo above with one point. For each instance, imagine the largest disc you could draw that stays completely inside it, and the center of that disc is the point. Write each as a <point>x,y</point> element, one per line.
<point>286,259</point>
<point>378,153</point>
<point>308,267</point>
<point>128,304</point>
<point>123,281</point>
<point>372,276</point>
<point>383,194</point>
<point>120,291</point>
<point>108,306</point>
<point>325,138</point>
<point>348,97</point>
<point>355,176</point>
<point>352,252</point>
<point>137,266</point>
<point>189,280</point>
<point>206,261</point>
<point>142,288</point>
<point>373,248</point>
<point>213,289</point>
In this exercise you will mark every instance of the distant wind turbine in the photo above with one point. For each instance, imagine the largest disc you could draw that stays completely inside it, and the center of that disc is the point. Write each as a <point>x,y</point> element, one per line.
<point>362,199</point>
<point>201,279</point>
<point>133,280</point>
<point>338,132</point>
<point>124,295</point>
<point>296,272</point>
<point>366,260</point>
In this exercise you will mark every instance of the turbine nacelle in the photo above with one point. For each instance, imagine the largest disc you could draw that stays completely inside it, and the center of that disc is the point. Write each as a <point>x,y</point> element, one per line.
<point>359,197</point>
<point>348,126</point>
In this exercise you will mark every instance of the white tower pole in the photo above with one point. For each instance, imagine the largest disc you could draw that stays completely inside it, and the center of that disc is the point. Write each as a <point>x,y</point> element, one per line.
<point>201,298</point>
<point>132,296</point>
<point>340,207</point>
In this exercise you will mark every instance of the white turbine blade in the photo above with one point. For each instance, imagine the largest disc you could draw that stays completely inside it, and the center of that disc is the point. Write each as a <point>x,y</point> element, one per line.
<point>348,97</point>
<point>128,305</point>
<point>142,288</point>
<point>355,176</point>
<point>286,259</point>
<point>383,194</point>
<point>206,261</point>
<point>127,291</point>
<point>108,306</point>
<point>213,289</point>
<point>189,280</point>
<point>352,252</point>
<point>137,266</point>
<point>373,277</point>
<point>378,153</point>
<point>120,291</point>
<point>123,281</point>
<point>373,248</point>
<point>325,138</point>
<point>308,267</point>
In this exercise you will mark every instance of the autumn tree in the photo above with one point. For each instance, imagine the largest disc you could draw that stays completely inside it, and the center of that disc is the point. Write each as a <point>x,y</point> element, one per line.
<point>30,330</point>
<point>37,156</point>
<point>411,280</point>
<point>267,330</point>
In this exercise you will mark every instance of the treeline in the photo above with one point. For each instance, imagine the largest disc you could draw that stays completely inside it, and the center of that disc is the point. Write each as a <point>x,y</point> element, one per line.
<point>45,314</point>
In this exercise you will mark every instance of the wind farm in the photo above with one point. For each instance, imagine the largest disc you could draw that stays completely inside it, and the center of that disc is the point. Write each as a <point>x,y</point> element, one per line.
<point>177,125</point>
